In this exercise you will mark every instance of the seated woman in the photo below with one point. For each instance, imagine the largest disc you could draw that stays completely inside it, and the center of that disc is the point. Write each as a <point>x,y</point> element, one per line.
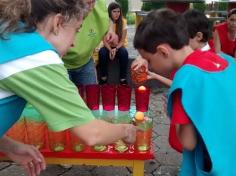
<point>115,49</point>
<point>224,35</point>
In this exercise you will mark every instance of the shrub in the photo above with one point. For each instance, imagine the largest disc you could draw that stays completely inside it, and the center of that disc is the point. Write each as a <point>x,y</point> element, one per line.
<point>130,18</point>
<point>124,6</point>
<point>200,6</point>
<point>147,6</point>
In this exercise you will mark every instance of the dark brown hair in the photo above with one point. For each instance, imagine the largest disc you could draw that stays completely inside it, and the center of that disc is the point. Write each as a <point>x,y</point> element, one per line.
<point>119,22</point>
<point>31,12</point>
<point>231,12</point>
<point>161,26</point>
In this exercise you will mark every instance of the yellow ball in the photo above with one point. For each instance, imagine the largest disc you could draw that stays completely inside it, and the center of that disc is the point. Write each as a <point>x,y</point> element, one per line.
<point>139,116</point>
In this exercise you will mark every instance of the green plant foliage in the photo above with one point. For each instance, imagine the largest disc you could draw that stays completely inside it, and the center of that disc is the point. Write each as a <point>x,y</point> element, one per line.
<point>147,6</point>
<point>200,6</point>
<point>223,6</point>
<point>124,6</point>
<point>130,18</point>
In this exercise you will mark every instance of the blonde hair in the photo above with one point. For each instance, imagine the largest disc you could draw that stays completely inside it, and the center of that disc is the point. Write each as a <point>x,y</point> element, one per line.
<point>31,12</point>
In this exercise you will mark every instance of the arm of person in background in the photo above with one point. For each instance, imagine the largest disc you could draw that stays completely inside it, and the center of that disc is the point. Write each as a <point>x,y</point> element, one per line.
<point>216,39</point>
<point>110,36</point>
<point>27,156</point>
<point>122,40</point>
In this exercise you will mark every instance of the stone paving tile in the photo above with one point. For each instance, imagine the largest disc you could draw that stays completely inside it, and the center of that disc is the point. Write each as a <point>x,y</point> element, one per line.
<point>54,170</point>
<point>13,170</point>
<point>114,171</point>
<point>166,171</point>
<point>81,171</point>
<point>4,165</point>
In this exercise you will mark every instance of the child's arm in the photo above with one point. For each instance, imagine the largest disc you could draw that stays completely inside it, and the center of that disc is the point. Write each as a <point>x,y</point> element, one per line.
<point>124,35</point>
<point>185,131</point>
<point>137,63</point>
<point>122,41</point>
<point>162,79</point>
<point>187,136</point>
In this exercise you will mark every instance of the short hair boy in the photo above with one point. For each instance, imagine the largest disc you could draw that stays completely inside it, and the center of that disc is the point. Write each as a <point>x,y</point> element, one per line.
<point>202,92</point>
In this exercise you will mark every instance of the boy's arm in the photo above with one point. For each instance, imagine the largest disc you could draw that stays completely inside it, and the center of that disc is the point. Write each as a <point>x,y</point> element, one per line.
<point>187,136</point>
<point>162,79</point>
<point>184,128</point>
<point>139,61</point>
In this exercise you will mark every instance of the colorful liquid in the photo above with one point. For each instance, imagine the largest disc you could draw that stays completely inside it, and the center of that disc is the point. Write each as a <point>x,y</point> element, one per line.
<point>36,133</point>
<point>57,141</point>
<point>17,131</point>
<point>100,148</point>
<point>143,140</point>
<point>77,144</point>
<point>139,76</point>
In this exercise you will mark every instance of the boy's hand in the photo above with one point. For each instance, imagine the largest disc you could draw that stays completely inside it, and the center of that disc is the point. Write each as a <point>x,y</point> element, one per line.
<point>151,75</point>
<point>27,156</point>
<point>137,63</point>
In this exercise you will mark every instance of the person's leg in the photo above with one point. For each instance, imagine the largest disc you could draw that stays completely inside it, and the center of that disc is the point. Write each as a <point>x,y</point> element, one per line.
<point>122,55</point>
<point>84,75</point>
<point>103,64</point>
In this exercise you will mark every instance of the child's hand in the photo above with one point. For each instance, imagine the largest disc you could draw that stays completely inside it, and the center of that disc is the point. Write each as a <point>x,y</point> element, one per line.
<point>151,75</point>
<point>137,63</point>
<point>28,156</point>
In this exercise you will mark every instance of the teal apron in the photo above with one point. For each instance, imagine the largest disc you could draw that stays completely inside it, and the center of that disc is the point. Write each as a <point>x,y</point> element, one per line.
<point>209,101</point>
